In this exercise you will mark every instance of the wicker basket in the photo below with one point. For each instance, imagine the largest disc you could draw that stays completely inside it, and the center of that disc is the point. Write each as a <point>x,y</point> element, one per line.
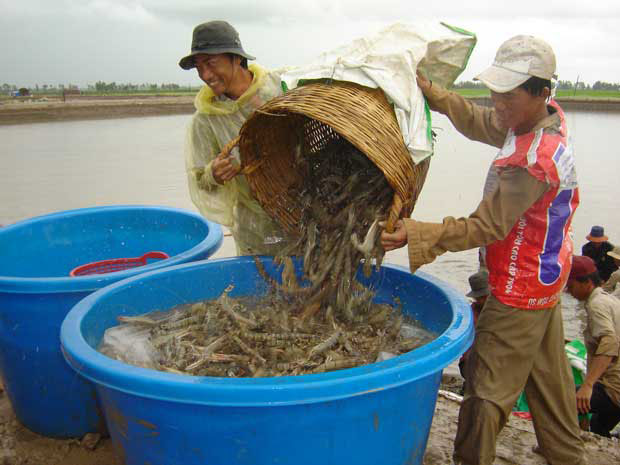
<point>313,115</point>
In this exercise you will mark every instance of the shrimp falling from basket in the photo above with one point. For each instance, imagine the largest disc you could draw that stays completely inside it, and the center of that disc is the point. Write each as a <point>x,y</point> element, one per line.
<point>328,162</point>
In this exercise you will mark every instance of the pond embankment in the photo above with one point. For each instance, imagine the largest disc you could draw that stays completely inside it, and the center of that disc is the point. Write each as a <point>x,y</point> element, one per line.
<point>84,108</point>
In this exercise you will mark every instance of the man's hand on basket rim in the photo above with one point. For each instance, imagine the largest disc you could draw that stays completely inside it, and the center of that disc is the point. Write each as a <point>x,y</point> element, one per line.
<point>224,168</point>
<point>396,239</point>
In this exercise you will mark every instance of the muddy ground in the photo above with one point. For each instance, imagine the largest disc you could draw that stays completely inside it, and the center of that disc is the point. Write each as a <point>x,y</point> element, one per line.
<point>19,446</point>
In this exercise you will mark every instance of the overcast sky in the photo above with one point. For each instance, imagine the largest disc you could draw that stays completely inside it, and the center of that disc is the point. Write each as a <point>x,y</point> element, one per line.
<point>84,41</point>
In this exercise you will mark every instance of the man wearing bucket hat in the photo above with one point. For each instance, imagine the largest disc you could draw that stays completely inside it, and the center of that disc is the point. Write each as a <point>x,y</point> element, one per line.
<point>611,285</point>
<point>596,248</point>
<point>523,221</point>
<point>232,91</point>
<point>600,391</point>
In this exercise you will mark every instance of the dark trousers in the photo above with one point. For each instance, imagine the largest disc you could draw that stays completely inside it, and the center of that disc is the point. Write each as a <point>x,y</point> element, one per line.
<point>605,414</point>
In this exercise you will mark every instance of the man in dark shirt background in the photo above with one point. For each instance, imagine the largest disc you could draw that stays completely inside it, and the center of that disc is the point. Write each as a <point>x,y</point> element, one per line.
<point>597,249</point>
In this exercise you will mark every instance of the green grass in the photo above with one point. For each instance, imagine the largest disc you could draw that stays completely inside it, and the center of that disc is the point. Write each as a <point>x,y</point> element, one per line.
<point>473,92</point>
<point>595,94</point>
<point>586,94</point>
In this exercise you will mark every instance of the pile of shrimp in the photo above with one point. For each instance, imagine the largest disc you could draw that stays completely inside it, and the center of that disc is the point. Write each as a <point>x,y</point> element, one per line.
<point>320,319</point>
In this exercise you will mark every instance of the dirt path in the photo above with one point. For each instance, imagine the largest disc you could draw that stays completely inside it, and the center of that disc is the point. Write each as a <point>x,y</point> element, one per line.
<point>515,443</point>
<point>19,446</point>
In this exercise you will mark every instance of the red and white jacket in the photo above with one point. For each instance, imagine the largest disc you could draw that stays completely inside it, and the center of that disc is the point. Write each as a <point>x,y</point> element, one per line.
<point>529,268</point>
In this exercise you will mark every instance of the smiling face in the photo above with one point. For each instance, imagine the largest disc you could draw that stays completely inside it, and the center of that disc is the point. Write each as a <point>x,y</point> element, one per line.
<point>519,110</point>
<point>218,71</point>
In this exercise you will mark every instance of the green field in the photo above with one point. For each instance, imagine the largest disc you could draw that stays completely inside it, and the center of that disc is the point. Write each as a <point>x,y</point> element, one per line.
<point>585,94</point>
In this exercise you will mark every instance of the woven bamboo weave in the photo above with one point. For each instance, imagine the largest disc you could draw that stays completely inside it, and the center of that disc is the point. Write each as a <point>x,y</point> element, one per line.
<point>307,118</point>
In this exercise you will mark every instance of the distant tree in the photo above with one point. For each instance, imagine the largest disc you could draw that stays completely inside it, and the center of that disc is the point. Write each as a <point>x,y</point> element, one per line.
<point>602,85</point>
<point>468,85</point>
<point>565,85</point>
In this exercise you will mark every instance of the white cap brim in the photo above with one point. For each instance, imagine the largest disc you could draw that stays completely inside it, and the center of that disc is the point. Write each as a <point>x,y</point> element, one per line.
<point>501,79</point>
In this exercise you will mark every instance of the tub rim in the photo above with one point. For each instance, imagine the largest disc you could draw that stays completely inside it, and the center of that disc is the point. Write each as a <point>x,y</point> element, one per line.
<point>271,391</point>
<point>52,285</point>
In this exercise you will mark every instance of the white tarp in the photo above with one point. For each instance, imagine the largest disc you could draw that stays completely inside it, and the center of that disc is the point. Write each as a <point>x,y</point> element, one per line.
<point>389,60</point>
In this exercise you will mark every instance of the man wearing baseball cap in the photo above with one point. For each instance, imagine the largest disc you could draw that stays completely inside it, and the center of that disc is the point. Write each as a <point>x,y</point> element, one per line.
<point>600,392</point>
<point>523,221</point>
<point>232,91</point>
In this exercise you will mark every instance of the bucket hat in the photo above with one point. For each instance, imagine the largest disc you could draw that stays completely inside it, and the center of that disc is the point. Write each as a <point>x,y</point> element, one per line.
<point>614,253</point>
<point>517,60</point>
<point>581,266</point>
<point>214,37</point>
<point>479,283</point>
<point>597,234</point>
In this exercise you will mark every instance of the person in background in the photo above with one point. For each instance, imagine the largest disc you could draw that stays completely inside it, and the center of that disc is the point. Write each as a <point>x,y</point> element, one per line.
<point>232,92</point>
<point>600,392</point>
<point>596,248</point>
<point>479,284</point>
<point>611,285</point>
<point>524,221</point>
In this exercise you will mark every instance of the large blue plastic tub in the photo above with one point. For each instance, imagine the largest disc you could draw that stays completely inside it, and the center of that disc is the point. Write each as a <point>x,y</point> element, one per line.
<point>375,414</point>
<point>36,293</point>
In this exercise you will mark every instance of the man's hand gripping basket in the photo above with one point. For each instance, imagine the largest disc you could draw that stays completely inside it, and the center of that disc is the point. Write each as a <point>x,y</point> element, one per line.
<point>311,116</point>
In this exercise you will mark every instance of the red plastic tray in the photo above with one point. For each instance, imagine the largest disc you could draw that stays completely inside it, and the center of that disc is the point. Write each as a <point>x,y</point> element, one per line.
<point>115,264</point>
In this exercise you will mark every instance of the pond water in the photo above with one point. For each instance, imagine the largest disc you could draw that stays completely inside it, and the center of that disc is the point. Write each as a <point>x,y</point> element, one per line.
<point>49,167</point>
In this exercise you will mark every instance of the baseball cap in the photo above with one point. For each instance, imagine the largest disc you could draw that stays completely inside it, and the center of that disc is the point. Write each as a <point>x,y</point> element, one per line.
<point>582,266</point>
<point>214,37</point>
<point>517,60</point>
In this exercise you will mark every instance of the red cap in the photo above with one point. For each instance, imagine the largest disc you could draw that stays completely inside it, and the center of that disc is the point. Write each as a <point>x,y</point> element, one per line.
<point>582,266</point>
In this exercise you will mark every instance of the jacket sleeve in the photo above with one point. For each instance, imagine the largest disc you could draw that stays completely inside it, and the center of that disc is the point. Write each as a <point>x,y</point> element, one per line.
<point>495,216</point>
<point>214,201</point>
<point>473,121</point>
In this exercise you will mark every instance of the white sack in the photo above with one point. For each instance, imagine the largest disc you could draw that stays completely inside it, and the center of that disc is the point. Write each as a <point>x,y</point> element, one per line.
<point>389,60</point>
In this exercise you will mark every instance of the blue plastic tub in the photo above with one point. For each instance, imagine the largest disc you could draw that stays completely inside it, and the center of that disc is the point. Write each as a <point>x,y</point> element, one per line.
<point>374,414</point>
<point>36,293</point>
